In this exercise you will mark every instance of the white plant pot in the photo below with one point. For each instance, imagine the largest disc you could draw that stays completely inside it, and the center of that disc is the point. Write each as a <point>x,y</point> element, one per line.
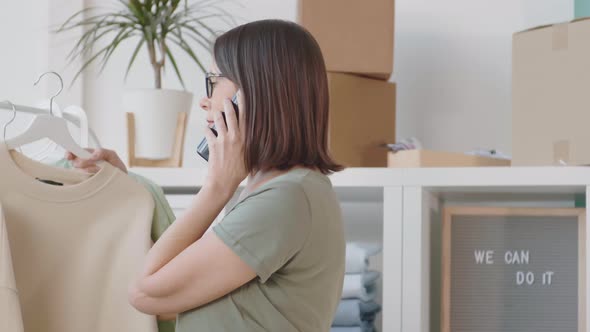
<point>156,112</point>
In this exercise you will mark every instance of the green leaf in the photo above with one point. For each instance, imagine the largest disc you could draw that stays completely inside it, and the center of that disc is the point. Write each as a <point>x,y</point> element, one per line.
<point>190,52</point>
<point>206,46</point>
<point>202,41</point>
<point>135,7</point>
<point>148,4</point>
<point>112,49</point>
<point>92,36</point>
<point>173,61</point>
<point>102,24</point>
<point>226,15</point>
<point>135,52</point>
<point>213,6</point>
<point>87,63</point>
<point>87,21</point>
<point>201,21</point>
<point>71,18</point>
<point>204,3</point>
<point>86,42</point>
<point>203,25</point>
<point>175,4</point>
<point>122,35</point>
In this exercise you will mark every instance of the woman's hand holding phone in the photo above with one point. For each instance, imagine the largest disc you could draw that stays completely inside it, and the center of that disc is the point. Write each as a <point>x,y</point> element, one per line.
<point>226,169</point>
<point>203,148</point>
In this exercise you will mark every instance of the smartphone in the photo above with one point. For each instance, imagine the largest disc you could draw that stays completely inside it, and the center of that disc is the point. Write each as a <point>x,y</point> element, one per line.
<point>203,148</point>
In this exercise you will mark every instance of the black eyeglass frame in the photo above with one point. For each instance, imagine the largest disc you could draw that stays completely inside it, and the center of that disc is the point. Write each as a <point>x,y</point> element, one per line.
<point>209,84</point>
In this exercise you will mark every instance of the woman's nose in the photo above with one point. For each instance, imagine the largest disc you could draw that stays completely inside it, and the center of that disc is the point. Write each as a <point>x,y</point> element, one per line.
<point>205,104</point>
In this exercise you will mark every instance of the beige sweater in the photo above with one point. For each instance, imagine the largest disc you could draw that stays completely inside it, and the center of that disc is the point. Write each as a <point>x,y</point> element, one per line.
<point>10,314</point>
<point>75,247</point>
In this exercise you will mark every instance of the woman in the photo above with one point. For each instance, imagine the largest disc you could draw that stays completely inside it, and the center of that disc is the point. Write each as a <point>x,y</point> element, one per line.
<point>276,261</point>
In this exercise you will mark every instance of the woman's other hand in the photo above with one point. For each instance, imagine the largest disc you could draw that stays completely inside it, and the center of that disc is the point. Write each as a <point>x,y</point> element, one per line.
<point>89,165</point>
<point>226,151</point>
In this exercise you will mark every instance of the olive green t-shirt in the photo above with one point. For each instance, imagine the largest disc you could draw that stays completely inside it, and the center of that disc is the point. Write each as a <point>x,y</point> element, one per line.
<point>290,232</point>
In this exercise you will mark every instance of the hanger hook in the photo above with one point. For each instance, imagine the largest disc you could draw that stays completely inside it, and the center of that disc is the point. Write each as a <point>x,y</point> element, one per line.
<point>13,117</point>
<point>61,87</point>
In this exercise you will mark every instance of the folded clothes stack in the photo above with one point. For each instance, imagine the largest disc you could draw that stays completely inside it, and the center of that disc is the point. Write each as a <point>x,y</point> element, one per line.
<point>357,309</point>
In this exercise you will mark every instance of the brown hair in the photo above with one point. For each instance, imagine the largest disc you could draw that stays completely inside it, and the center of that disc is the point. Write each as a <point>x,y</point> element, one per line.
<point>280,70</point>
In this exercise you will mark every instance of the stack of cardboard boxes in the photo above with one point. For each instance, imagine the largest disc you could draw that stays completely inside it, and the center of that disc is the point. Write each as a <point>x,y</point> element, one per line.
<point>356,38</point>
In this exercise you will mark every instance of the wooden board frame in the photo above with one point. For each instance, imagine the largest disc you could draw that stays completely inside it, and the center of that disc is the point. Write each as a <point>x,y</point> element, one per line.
<point>449,212</point>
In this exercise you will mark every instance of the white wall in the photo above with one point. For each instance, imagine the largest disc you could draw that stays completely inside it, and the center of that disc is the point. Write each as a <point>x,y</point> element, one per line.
<point>453,68</point>
<point>24,55</point>
<point>25,42</point>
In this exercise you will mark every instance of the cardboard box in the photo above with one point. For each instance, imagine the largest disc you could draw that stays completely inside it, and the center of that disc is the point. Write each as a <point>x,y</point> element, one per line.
<point>355,36</point>
<point>427,158</point>
<point>362,119</point>
<point>551,95</point>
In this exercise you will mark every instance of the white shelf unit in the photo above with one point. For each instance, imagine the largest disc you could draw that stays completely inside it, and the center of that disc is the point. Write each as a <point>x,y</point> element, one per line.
<point>408,199</point>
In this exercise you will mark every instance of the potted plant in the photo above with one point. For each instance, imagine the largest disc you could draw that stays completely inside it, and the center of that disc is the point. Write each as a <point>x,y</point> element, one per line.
<point>154,25</point>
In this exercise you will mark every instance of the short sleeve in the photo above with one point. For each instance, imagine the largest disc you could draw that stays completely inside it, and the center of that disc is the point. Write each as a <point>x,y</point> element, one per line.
<point>268,228</point>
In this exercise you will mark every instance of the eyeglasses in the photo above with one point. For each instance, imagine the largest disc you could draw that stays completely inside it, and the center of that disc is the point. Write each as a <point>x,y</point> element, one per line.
<point>210,81</point>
